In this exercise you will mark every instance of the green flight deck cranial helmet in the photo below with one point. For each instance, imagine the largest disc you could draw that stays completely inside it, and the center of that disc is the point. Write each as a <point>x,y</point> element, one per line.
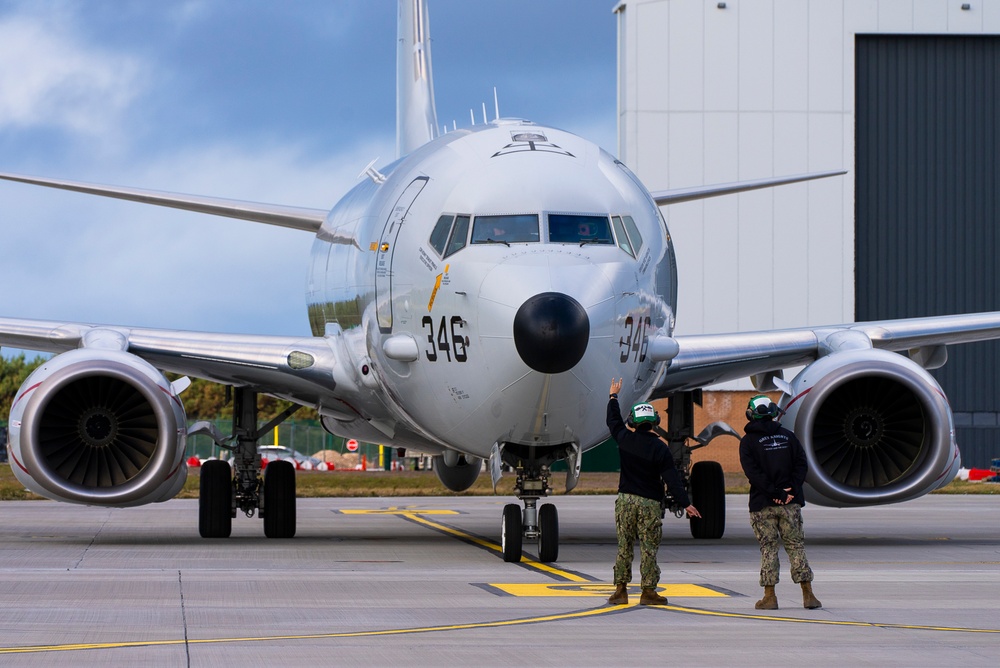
<point>643,413</point>
<point>761,407</point>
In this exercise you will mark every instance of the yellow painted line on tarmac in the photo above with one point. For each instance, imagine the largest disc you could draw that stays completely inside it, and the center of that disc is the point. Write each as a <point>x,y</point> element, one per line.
<point>495,547</point>
<point>578,614</point>
<point>417,515</point>
<point>601,589</point>
<point>828,622</point>
<point>397,511</point>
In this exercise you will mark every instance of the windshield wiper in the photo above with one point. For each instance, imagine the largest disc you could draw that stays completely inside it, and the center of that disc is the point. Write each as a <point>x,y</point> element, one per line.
<point>497,241</point>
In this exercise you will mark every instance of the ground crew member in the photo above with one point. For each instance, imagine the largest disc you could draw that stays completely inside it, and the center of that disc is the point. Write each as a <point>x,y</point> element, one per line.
<point>775,463</point>
<point>646,464</point>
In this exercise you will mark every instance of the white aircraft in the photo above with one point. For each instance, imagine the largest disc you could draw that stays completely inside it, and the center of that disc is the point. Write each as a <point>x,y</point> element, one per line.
<point>472,300</point>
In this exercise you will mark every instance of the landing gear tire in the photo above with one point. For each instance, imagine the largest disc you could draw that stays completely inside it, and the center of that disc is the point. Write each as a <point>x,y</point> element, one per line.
<point>708,495</point>
<point>279,500</point>
<point>548,533</point>
<point>511,533</point>
<point>215,500</point>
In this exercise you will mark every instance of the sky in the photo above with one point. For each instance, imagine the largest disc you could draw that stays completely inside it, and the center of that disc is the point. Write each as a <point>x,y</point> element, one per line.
<point>283,103</point>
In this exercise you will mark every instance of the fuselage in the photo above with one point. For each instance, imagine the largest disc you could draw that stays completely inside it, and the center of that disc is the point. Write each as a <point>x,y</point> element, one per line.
<point>489,285</point>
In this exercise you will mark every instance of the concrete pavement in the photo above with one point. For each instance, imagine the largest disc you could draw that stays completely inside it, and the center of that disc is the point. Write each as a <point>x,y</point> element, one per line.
<point>420,581</point>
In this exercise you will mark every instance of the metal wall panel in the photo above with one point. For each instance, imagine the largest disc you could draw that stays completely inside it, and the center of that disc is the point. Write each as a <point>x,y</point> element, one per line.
<point>927,178</point>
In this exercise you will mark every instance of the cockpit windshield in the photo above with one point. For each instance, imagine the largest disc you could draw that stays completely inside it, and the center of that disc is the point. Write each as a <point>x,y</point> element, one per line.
<point>451,232</point>
<point>578,229</point>
<point>521,228</point>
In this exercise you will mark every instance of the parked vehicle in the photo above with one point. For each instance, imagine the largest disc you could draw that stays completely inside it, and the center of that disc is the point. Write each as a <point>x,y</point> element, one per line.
<point>276,452</point>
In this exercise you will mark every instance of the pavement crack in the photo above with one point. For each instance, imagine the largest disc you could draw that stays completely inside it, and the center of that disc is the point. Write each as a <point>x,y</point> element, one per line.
<point>93,540</point>
<point>187,644</point>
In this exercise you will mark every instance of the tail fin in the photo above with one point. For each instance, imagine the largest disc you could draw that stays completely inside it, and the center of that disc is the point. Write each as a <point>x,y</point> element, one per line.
<point>416,118</point>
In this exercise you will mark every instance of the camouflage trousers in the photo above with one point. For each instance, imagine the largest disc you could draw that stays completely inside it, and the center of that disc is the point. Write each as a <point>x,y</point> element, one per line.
<point>638,517</point>
<point>782,523</point>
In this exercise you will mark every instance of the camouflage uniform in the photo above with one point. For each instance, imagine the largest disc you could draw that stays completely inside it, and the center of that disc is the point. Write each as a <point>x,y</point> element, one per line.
<point>638,517</point>
<point>646,464</point>
<point>775,464</point>
<point>785,523</point>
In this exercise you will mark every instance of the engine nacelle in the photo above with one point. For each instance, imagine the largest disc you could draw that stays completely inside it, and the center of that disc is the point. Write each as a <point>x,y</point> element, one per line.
<point>456,471</point>
<point>99,427</point>
<point>876,428</point>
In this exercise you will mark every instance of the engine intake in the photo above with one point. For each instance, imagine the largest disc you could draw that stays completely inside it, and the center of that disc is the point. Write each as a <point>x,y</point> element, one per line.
<point>876,428</point>
<point>101,428</point>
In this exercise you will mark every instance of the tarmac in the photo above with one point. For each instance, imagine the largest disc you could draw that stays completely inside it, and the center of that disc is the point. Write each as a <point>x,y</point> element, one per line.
<point>421,582</point>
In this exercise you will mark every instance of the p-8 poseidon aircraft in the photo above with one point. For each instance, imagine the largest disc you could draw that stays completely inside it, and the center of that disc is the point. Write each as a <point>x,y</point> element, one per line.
<point>472,300</point>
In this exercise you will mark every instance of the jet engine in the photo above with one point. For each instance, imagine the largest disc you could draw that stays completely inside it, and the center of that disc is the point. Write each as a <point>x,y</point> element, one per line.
<point>876,428</point>
<point>456,471</point>
<point>99,427</point>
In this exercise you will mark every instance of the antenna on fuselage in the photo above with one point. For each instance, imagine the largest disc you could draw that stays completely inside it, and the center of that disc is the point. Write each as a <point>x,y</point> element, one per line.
<point>372,173</point>
<point>496,110</point>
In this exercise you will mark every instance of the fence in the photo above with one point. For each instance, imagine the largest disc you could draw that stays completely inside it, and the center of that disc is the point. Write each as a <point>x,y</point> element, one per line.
<point>306,437</point>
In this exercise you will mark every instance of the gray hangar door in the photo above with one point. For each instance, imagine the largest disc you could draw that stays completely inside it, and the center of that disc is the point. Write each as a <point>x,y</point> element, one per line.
<point>927,182</point>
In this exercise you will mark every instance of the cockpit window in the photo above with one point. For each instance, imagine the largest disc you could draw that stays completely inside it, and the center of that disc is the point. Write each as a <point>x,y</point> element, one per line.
<point>505,229</point>
<point>439,237</point>
<point>633,234</point>
<point>459,235</point>
<point>623,242</point>
<point>577,229</point>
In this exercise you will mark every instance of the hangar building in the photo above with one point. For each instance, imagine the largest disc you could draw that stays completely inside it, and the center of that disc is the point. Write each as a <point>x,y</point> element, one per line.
<point>904,94</point>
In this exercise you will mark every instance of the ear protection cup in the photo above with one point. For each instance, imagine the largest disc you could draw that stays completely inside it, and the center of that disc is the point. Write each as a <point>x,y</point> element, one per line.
<point>760,407</point>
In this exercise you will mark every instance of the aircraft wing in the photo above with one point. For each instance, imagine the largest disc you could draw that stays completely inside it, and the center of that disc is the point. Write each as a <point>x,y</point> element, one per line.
<point>298,218</point>
<point>307,370</point>
<point>707,359</point>
<point>678,195</point>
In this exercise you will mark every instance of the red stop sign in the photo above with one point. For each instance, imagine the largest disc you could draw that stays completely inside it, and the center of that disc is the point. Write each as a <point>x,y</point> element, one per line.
<point>352,445</point>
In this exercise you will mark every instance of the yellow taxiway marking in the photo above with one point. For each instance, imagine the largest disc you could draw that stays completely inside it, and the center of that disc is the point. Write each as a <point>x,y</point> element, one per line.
<point>397,511</point>
<point>416,515</point>
<point>578,614</point>
<point>829,622</point>
<point>601,589</point>
<point>315,636</point>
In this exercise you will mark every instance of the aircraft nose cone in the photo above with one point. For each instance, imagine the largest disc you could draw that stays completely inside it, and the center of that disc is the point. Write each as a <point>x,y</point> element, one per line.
<point>551,332</point>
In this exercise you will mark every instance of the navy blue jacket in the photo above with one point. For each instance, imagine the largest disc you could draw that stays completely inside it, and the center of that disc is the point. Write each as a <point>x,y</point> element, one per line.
<point>772,459</point>
<point>646,462</point>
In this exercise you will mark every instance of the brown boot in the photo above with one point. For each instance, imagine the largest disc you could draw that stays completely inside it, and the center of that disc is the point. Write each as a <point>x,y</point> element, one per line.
<point>650,597</point>
<point>809,601</point>
<point>620,597</point>
<point>769,602</point>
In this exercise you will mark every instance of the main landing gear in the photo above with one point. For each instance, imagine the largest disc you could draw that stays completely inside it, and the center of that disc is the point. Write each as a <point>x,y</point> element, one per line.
<point>225,490</point>
<point>705,481</point>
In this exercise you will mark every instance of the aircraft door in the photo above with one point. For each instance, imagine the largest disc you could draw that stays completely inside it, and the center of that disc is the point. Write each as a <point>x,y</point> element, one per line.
<point>386,250</point>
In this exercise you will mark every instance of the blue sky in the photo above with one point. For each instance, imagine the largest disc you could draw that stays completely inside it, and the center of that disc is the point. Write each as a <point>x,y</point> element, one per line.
<point>275,102</point>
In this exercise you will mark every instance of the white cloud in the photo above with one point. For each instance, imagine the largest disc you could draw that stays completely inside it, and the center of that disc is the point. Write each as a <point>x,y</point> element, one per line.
<point>66,256</point>
<point>49,78</point>
<point>82,258</point>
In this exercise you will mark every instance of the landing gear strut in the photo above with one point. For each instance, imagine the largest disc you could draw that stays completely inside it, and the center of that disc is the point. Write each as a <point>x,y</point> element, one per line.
<point>224,491</point>
<point>704,481</point>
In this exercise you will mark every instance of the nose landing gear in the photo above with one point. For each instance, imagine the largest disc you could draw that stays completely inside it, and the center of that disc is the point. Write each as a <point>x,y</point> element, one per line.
<point>535,522</point>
